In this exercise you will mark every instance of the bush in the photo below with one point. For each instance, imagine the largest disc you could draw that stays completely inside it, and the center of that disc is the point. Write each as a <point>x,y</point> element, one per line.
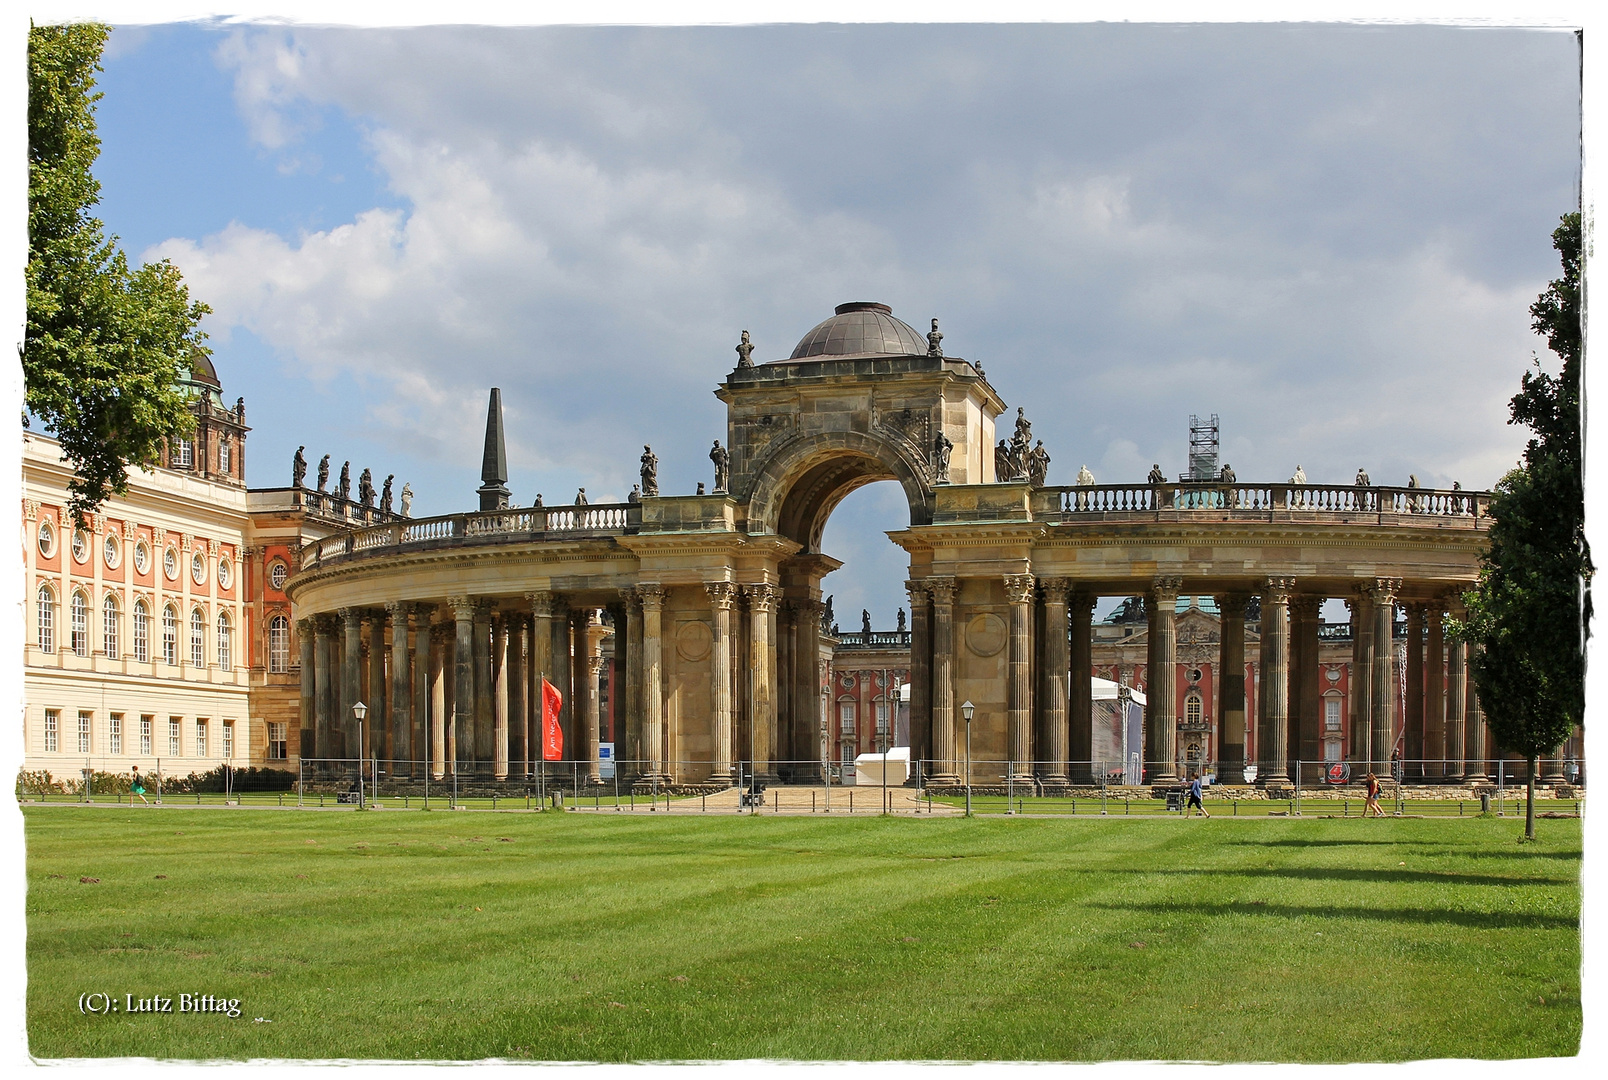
<point>39,782</point>
<point>216,781</point>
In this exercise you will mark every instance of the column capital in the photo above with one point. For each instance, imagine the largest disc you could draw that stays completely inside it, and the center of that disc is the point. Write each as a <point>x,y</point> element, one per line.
<point>629,598</point>
<point>761,596</point>
<point>1019,588</point>
<point>1278,590</point>
<point>351,616</point>
<point>324,622</point>
<point>483,607</point>
<point>1081,602</point>
<point>1056,590</point>
<point>652,595</point>
<point>721,594</point>
<point>541,604</point>
<point>463,608</point>
<point>1382,590</point>
<point>1304,605</point>
<point>1164,588</point>
<point>942,589</point>
<point>1232,605</point>
<point>594,664</point>
<point>917,591</point>
<point>306,627</point>
<point>442,631</point>
<point>393,608</point>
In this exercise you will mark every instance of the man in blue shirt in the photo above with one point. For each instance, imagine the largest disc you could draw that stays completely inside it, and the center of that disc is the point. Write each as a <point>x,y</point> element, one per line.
<point>1194,798</point>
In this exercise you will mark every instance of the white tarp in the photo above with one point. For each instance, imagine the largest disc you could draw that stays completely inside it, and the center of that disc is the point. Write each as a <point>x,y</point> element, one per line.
<point>1118,746</point>
<point>868,768</point>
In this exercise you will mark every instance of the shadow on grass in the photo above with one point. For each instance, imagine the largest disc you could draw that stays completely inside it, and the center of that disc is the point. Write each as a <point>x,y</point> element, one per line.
<point>1477,920</point>
<point>1387,876</point>
<point>1452,848</point>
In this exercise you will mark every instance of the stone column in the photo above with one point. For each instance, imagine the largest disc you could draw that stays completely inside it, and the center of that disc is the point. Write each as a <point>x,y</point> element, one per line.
<point>1360,689</point>
<point>1435,766</point>
<point>461,735</point>
<point>1080,745</point>
<point>541,667</point>
<point>920,676</point>
<point>1053,734</point>
<point>305,637</point>
<point>588,665</point>
<point>326,699</point>
<point>782,642</point>
<point>720,600</point>
<point>1161,681</point>
<point>1412,744</point>
<point>652,597</point>
<point>1383,592</point>
<point>1456,706</point>
<point>762,669</point>
<point>1306,737</point>
<point>628,755</point>
<point>805,746</point>
<point>1474,748</point>
<point>401,752</point>
<point>422,673</point>
<point>351,686</point>
<point>376,726</point>
<point>499,697</point>
<point>480,750</point>
<point>518,681</point>
<point>1231,689</point>
<point>1018,677</point>
<point>945,761</point>
<point>563,653</point>
<point>1272,741</point>
<point>439,717</point>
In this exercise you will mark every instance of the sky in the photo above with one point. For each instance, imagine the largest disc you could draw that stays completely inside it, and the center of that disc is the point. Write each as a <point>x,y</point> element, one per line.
<point>1327,235</point>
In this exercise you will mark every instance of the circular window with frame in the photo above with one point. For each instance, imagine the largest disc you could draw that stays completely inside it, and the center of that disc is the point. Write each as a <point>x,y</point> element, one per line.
<point>277,574</point>
<point>170,564</point>
<point>80,546</point>
<point>47,538</point>
<point>225,573</point>
<point>198,568</point>
<point>1194,674</point>
<point>142,557</point>
<point>112,550</point>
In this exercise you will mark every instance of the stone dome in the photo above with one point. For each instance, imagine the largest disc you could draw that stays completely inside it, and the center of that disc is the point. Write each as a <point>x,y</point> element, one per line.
<point>861,329</point>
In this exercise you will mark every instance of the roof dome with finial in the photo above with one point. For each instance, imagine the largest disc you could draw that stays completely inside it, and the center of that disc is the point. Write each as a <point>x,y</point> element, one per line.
<point>862,328</point>
<point>201,378</point>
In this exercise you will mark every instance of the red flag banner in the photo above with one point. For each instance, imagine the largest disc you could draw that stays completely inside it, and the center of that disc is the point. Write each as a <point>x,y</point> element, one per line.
<point>552,730</point>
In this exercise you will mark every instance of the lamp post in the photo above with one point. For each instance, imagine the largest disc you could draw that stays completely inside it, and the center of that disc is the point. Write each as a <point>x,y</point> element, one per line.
<point>887,740</point>
<point>966,711</point>
<point>359,711</point>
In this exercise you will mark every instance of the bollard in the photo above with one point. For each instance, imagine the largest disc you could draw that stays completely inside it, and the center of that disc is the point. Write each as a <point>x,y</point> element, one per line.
<point>1236,808</point>
<point>1125,809</point>
<point>558,799</point>
<point>1459,807</point>
<point>705,800</point>
<point>812,800</point>
<point>1485,802</point>
<point>851,800</point>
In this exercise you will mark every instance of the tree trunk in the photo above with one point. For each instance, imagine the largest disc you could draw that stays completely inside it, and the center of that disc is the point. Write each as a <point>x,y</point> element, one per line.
<point>1529,802</point>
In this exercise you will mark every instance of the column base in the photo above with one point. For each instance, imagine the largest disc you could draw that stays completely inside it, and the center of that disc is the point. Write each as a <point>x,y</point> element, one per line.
<point>1019,777</point>
<point>943,779</point>
<point>1276,780</point>
<point>1476,778</point>
<point>1054,779</point>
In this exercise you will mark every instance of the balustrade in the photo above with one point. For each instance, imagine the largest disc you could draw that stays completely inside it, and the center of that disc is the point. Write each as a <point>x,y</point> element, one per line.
<point>1309,498</point>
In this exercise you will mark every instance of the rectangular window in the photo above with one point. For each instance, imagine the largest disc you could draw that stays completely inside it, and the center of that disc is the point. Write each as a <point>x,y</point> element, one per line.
<point>228,739</point>
<point>145,734</point>
<point>52,730</point>
<point>201,737</point>
<point>170,636</point>
<point>175,736</point>
<point>109,635</point>
<point>142,635</point>
<point>278,749</point>
<point>85,722</point>
<point>184,458</point>
<point>1331,713</point>
<point>114,734</point>
<point>882,719</point>
<point>846,717</point>
<point>223,455</point>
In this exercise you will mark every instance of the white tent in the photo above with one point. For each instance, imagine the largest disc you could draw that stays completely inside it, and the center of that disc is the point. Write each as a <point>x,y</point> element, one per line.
<point>1118,722</point>
<point>868,768</point>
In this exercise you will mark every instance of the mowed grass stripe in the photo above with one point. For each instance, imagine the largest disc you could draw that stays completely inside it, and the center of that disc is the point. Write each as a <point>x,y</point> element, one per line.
<point>627,937</point>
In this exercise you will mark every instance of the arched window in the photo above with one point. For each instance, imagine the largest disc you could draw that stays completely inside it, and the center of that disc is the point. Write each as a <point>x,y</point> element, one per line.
<point>170,635</point>
<point>80,624</point>
<point>1192,709</point>
<point>225,641</point>
<point>142,632</point>
<point>47,619</point>
<point>198,638</point>
<point>279,645</point>
<point>846,717</point>
<point>111,620</point>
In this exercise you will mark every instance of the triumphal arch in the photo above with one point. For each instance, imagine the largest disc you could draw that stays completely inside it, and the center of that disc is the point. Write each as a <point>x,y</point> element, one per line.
<point>447,625</point>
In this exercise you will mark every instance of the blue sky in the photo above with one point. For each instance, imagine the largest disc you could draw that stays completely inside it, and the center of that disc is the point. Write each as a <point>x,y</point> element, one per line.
<point>1327,235</point>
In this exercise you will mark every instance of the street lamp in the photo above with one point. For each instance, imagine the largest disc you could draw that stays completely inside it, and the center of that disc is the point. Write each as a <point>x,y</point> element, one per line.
<point>966,711</point>
<point>359,711</point>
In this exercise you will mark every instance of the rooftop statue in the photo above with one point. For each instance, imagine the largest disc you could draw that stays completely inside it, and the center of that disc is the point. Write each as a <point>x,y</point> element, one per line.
<point>701,488</point>
<point>365,488</point>
<point>865,623</point>
<point>829,617</point>
<point>1362,479</point>
<point>1156,475</point>
<point>538,501</point>
<point>344,490</point>
<point>1085,477</point>
<point>1300,476</point>
<point>1038,464</point>
<point>580,497</point>
<point>941,449</point>
<point>934,340</point>
<point>385,495</point>
<point>901,620</point>
<point>323,472</point>
<point>298,468</point>
<point>1002,462</point>
<point>240,409</point>
<point>635,495</point>
<point>407,499</point>
<point>650,471</point>
<point>1227,475</point>
<point>745,352</point>
<point>722,459</point>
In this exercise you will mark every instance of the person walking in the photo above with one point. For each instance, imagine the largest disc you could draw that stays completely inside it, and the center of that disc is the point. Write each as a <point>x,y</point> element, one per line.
<point>1373,798</point>
<point>1194,798</point>
<point>137,786</point>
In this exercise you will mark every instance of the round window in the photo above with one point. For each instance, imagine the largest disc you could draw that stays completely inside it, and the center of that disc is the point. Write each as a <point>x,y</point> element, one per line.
<point>170,563</point>
<point>142,557</point>
<point>80,545</point>
<point>198,568</point>
<point>47,539</point>
<point>1194,674</point>
<point>225,573</point>
<point>113,550</point>
<point>277,575</point>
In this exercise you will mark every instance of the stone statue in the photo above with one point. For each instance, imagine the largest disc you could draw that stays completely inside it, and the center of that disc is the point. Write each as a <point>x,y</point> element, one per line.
<point>865,623</point>
<point>240,409</point>
<point>365,488</point>
<point>636,494</point>
<point>538,501</point>
<point>1156,475</point>
<point>1412,480</point>
<point>828,617</point>
<point>722,459</point>
<point>344,489</point>
<point>1299,477</point>
<point>701,488</point>
<point>580,497</point>
<point>407,499</point>
<point>901,621</point>
<point>1362,479</point>
<point>1002,462</point>
<point>323,473</point>
<point>1024,428</point>
<point>745,352</point>
<point>941,448</point>
<point>298,468</point>
<point>650,471</point>
<point>1227,475</point>
<point>934,338</point>
<point>1457,500</point>
<point>1038,464</point>
<point>1085,477</point>
<point>385,495</point>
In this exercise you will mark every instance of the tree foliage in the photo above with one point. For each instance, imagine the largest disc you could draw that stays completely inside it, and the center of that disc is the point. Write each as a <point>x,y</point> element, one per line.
<point>105,345</point>
<point>1531,613</point>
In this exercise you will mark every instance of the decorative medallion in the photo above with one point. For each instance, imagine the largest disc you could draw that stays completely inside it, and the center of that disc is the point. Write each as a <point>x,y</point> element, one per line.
<point>693,641</point>
<point>986,634</point>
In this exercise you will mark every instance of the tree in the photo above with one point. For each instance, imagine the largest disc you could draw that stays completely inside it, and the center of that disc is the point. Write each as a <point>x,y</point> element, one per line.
<point>105,346</point>
<point>1530,616</point>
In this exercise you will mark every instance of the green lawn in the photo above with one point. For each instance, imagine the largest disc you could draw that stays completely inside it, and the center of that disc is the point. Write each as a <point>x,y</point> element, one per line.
<point>616,937</point>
